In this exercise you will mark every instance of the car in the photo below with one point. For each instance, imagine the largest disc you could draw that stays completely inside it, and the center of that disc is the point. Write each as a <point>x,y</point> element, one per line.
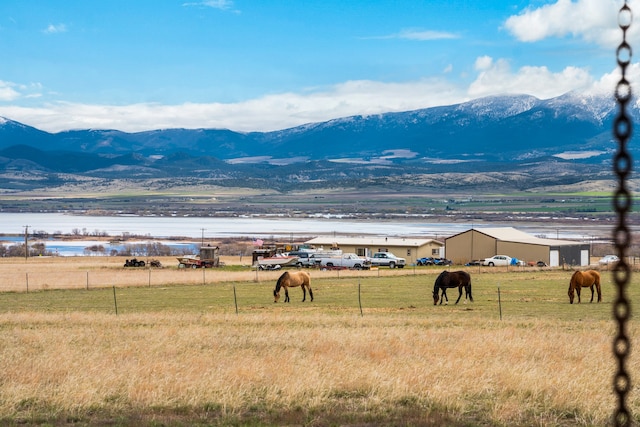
<point>501,260</point>
<point>442,261</point>
<point>425,261</point>
<point>387,259</point>
<point>305,259</point>
<point>608,259</point>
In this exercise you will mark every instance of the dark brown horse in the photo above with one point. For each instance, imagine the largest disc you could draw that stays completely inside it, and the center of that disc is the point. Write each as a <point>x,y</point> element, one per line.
<point>584,279</point>
<point>459,279</point>
<point>291,280</point>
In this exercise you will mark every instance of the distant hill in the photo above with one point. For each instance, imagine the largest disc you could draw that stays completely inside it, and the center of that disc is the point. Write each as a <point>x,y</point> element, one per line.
<point>564,139</point>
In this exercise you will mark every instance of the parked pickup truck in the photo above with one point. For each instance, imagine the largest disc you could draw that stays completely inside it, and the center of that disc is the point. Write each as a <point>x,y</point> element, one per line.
<point>348,260</point>
<point>387,259</point>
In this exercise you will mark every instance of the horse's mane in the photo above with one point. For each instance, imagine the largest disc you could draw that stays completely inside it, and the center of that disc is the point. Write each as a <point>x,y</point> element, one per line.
<point>439,279</point>
<point>280,280</point>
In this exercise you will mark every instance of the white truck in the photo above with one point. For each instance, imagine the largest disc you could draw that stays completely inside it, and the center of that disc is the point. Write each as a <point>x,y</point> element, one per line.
<point>346,260</point>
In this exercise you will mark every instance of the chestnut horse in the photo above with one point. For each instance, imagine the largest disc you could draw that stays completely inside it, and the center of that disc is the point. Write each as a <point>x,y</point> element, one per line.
<point>584,279</point>
<point>291,280</point>
<point>459,279</point>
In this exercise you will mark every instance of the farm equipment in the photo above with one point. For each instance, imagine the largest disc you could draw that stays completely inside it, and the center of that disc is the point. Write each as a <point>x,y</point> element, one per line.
<point>207,258</point>
<point>134,263</point>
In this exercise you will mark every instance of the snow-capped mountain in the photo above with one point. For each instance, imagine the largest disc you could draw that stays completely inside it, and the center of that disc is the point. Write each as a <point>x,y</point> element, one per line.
<point>492,129</point>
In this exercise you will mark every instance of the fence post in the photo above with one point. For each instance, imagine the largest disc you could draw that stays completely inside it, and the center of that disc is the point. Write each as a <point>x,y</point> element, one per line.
<point>359,299</point>
<point>87,280</point>
<point>499,302</point>
<point>27,275</point>
<point>149,276</point>
<point>115,301</point>
<point>235,299</point>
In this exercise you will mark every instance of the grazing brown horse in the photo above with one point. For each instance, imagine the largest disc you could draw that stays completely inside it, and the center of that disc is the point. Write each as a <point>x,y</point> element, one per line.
<point>584,279</point>
<point>291,280</point>
<point>459,279</point>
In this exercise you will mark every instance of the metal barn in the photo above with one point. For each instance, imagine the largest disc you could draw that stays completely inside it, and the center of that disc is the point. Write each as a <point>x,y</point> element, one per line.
<point>480,243</point>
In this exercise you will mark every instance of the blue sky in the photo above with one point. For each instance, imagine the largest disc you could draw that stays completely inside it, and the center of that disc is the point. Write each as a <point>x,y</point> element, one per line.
<point>262,65</point>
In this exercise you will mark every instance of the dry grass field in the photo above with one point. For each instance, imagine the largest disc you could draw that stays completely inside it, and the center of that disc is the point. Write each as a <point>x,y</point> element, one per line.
<point>371,350</point>
<point>45,273</point>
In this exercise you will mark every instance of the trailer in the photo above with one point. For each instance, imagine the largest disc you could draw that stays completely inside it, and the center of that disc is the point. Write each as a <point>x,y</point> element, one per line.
<point>207,258</point>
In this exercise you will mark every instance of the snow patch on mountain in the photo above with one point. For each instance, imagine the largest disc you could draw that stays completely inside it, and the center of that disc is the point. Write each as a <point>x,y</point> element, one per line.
<point>500,107</point>
<point>575,155</point>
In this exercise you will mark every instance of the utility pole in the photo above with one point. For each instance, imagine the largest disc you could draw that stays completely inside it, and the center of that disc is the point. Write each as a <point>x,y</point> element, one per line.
<point>202,243</point>
<point>26,242</point>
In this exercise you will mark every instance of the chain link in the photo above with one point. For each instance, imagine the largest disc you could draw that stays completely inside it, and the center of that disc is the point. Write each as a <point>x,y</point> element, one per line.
<point>622,129</point>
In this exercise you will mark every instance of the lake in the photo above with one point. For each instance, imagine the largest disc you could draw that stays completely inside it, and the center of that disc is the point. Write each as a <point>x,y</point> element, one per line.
<point>192,227</point>
<point>269,227</point>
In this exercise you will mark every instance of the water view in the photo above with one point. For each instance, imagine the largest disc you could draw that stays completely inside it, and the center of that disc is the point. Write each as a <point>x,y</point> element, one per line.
<point>196,229</point>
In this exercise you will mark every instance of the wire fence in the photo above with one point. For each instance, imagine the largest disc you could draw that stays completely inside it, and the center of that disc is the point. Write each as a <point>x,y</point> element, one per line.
<point>343,288</point>
<point>498,291</point>
<point>22,278</point>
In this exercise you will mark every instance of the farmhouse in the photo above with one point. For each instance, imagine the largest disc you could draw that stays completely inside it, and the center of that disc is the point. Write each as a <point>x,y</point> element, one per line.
<point>480,243</point>
<point>409,249</point>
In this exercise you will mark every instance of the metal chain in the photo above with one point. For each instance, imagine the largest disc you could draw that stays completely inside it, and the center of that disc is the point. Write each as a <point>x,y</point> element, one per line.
<point>622,129</point>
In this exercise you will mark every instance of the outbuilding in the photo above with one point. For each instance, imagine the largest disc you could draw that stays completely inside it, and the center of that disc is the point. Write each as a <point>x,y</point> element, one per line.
<point>480,243</point>
<point>407,248</point>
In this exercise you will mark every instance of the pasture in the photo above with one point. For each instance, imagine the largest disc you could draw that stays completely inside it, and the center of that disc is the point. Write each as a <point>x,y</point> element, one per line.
<point>371,349</point>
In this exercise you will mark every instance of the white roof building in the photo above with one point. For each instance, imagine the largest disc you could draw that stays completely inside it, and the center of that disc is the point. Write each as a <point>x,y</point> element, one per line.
<point>410,249</point>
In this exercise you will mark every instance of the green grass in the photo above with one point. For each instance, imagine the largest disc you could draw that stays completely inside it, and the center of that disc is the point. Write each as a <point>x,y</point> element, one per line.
<point>515,294</point>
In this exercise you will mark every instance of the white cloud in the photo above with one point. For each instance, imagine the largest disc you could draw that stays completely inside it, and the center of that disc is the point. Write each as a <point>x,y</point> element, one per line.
<point>483,63</point>
<point>608,82</point>
<point>54,29</point>
<point>595,21</point>
<point>496,77</point>
<point>272,112</point>
<point>215,4</point>
<point>425,35</point>
<point>8,92</point>
<point>280,111</point>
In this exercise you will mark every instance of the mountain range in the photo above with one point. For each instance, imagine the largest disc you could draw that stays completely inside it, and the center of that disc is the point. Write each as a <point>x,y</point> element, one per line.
<point>544,142</point>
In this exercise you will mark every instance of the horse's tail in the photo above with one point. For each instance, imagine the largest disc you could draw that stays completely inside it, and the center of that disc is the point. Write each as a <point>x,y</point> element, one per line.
<point>470,294</point>
<point>596,281</point>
